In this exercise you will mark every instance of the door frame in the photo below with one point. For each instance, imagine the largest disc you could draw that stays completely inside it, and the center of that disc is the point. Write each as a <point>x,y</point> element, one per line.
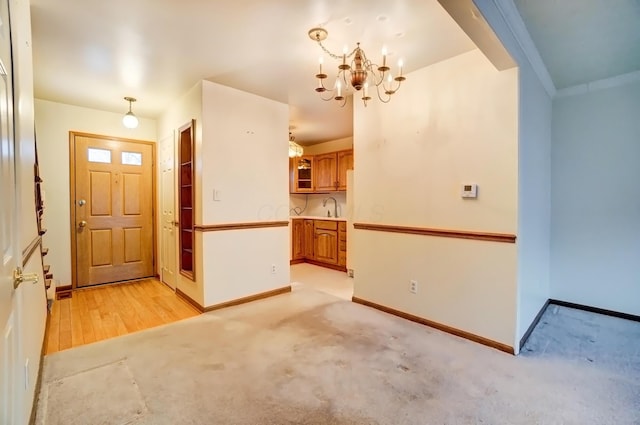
<point>72,196</point>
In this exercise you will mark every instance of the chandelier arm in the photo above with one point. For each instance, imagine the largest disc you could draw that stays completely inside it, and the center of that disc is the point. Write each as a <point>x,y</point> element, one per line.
<point>380,97</point>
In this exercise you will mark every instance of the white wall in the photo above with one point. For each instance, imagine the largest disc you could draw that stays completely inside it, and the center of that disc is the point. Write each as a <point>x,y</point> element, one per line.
<point>534,165</point>
<point>595,224</point>
<point>454,122</point>
<point>53,123</point>
<point>245,158</point>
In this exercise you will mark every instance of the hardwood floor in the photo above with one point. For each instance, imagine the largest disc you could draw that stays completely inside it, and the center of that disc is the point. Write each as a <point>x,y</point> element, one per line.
<point>107,311</point>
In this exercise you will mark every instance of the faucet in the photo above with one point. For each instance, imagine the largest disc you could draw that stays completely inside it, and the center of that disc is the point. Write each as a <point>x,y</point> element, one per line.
<point>335,205</point>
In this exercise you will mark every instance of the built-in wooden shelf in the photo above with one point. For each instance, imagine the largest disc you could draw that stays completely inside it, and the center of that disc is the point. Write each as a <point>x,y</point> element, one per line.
<point>186,199</point>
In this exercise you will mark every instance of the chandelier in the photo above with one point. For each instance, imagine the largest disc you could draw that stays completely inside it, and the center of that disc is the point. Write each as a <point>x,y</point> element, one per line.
<point>295,150</point>
<point>361,74</point>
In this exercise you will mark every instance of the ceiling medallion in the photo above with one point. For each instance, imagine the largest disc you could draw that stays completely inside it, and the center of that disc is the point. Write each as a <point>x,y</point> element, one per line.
<point>360,74</point>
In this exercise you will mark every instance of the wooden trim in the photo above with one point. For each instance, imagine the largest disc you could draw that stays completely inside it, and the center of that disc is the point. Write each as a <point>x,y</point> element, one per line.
<point>239,226</point>
<point>250,298</point>
<point>189,300</point>
<point>232,303</point>
<point>448,329</point>
<point>64,291</point>
<point>425,231</point>
<point>533,324</point>
<point>329,266</point>
<point>598,310</point>
<point>297,261</point>
<point>38,386</point>
<point>72,194</point>
<point>29,250</point>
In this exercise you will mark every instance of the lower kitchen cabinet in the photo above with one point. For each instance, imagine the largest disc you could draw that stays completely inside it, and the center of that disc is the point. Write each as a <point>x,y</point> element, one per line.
<point>321,242</point>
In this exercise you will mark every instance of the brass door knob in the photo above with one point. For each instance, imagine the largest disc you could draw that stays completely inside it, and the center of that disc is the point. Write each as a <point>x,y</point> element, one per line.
<point>82,223</point>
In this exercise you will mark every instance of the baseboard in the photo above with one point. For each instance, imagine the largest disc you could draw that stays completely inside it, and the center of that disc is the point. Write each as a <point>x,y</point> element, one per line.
<point>38,387</point>
<point>598,310</point>
<point>533,324</point>
<point>193,303</point>
<point>328,266</point>
<point>250,298</point>
<point>444,328</point>
<point>232,303</point>
<point>63,291</point>
<point>297,261</point>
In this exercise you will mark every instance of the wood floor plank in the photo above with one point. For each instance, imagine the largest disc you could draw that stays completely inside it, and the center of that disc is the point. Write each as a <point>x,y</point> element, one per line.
<point>65,340</point>
<point>53,337</point>
<point>107,311</point>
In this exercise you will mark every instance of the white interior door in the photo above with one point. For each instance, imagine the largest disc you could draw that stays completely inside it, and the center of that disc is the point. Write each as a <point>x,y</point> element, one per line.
<point>9,252</point>
<point>167,204</point>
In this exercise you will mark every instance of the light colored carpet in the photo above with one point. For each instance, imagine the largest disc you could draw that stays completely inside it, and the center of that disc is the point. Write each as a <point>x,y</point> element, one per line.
<point>310,358</point>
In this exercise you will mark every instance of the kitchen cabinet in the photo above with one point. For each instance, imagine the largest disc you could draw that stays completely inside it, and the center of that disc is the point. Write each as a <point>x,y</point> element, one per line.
<point>320,173</point>
<point>297,246</point>
<point>309,240</point>
<point>326,172</point>
<point>344,163</point>
<point>319,242</point>
<point>301,174</point>
<point>342,244</point>
<point>326,244</point>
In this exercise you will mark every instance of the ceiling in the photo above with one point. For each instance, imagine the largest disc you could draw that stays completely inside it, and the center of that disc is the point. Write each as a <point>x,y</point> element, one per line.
<point>584,40</point>
<point>92,53</point>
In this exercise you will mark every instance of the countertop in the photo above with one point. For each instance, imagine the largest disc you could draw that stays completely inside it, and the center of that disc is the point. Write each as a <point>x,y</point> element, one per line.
<point>311,217</point>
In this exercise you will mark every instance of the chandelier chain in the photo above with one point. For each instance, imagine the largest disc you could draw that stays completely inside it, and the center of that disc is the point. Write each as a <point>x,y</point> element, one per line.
<point>334,56</point>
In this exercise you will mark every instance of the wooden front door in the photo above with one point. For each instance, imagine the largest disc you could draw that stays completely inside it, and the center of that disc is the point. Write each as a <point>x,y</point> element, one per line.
<point>112,209</point>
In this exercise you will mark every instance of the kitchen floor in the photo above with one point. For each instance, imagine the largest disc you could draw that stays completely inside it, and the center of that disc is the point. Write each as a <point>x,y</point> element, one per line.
<point>322,279</point>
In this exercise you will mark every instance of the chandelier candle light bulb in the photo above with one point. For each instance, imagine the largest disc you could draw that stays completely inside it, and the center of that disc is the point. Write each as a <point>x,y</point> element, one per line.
<point>360,74</point>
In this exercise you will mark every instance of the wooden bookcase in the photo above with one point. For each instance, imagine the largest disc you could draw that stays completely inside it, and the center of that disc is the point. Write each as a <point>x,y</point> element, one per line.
<point>186,198</point>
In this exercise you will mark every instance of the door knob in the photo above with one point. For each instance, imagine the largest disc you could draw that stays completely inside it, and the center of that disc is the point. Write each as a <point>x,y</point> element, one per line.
<point>19,277</point>
<point>81,202</point>
<point>82,223</point>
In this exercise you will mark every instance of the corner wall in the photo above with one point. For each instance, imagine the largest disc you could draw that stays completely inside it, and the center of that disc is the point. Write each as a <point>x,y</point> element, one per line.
<point>53,123</point>
<point>453,122</point>
<point>181,112</point>
<point>595,204</point>
<point>534,161</point>
<point>245,158</point>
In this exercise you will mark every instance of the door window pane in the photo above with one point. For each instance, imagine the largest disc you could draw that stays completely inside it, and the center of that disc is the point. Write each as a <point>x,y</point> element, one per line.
<point>99,155</point>
<point>131,158</point>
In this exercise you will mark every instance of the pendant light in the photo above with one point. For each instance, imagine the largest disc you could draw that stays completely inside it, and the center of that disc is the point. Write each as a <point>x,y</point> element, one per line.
<point>130,120</point>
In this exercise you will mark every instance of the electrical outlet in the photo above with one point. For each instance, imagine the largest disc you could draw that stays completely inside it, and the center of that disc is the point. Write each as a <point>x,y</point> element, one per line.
<point>274,269</point>
<point>413,286</point>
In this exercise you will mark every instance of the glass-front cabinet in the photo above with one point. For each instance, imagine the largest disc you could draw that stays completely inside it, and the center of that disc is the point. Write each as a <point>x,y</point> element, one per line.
<point>301,174</point>
<point>186,199</point>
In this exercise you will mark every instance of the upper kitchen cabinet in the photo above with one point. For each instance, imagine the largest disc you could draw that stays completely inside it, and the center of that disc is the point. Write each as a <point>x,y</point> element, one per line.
<point>301,174</point>
<point>321,173</point>
<point>345,162</point>
<point>326,172</point>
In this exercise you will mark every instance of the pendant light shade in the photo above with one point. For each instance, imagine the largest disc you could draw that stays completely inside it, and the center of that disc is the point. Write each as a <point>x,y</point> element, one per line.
<point>130,120</point>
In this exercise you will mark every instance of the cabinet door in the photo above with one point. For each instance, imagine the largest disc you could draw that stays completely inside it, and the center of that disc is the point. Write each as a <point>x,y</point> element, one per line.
<point>345,162</point>
<point>301,173</point>
<point>326,246</point>
<point>297,239</point>
<point>308,239</point>
<point>326,178</point>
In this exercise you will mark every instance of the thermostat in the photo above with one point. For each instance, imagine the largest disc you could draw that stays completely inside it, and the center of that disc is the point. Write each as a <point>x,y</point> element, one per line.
<point>469,190</point>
